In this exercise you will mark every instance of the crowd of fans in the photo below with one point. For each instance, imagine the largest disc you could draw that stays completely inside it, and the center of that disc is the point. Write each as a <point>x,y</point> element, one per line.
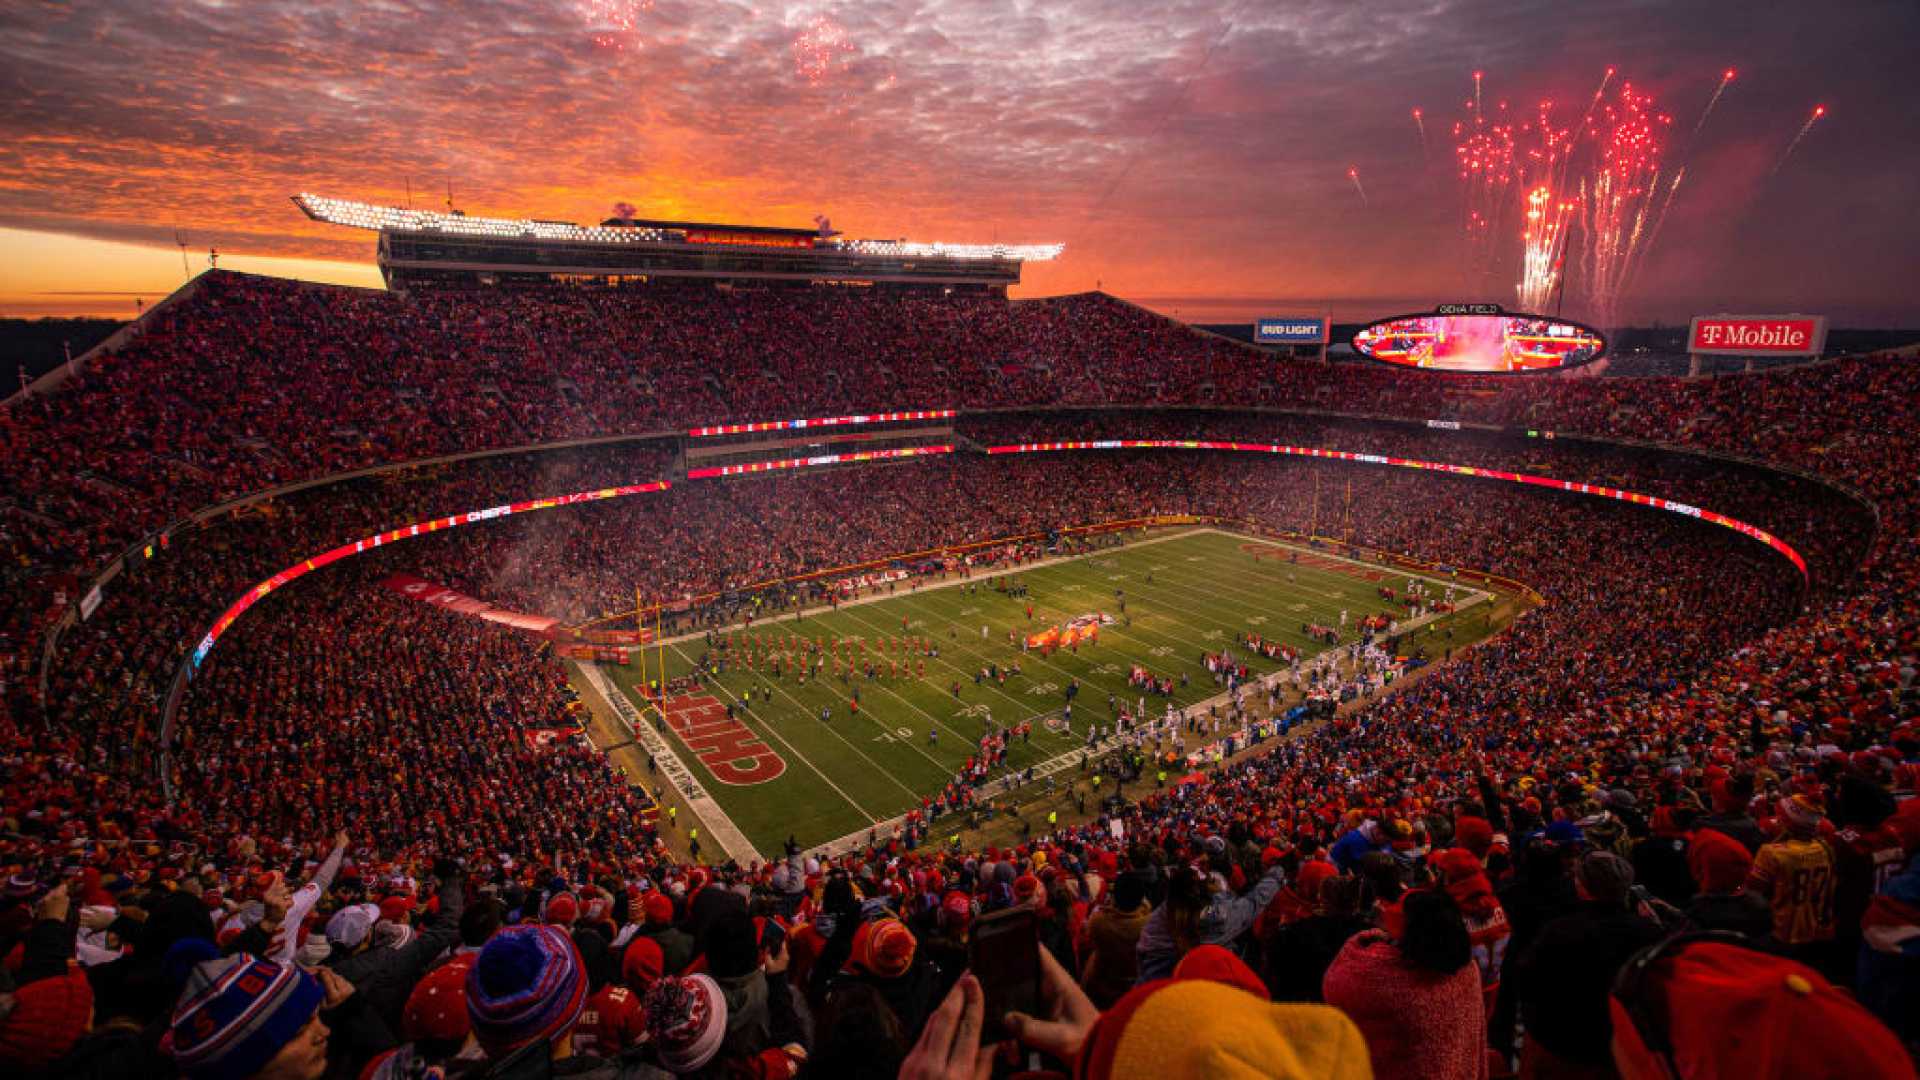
<point>1675,798</point>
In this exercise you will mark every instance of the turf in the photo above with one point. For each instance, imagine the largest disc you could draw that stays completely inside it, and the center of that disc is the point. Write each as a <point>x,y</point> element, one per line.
<point>852,771</point>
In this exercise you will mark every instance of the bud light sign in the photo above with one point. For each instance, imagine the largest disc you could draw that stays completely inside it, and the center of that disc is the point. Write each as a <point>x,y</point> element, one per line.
<point>1290,332</point>
<point>1758,335</point>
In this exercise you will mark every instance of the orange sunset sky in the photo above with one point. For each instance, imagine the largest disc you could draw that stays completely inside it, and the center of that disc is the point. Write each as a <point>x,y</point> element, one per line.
<point>1193,156</point>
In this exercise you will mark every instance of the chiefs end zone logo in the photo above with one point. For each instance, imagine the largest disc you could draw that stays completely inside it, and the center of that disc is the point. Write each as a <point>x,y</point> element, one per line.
<point>733,754</point>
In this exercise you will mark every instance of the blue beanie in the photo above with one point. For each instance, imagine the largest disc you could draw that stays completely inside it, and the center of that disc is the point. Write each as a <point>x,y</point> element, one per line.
<point>527,984</point>
<point>185,955</point>
<point>1564,833</point>
<point>237,1012</point>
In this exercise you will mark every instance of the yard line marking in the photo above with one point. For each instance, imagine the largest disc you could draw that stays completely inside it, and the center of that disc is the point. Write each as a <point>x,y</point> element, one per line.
<point>775,733</point>
<point>969,740</point>
<point>926,587</point>
<point>850,744</point>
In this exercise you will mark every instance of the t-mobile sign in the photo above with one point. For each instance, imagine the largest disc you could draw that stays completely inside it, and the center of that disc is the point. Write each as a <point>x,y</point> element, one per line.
<point>1758,335</point>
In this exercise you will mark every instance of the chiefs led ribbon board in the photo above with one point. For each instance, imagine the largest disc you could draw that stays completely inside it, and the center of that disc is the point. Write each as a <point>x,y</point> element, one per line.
<point>1758,335</point>
<point>1494,343</point>
<point>1746,529</point>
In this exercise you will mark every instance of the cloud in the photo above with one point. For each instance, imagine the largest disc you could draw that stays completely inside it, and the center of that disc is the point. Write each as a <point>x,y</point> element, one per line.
<point>1181,147</point>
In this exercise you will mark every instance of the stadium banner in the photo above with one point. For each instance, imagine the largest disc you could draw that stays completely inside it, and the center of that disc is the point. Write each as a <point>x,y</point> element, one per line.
<point>848,585</point>
<point>713,471</point>
<point>820,422</point>
<point>1758,335</point>
<point>1753,531</point>
<point>1290,331</point>
<point>440,596</point>
<point>405,532</point>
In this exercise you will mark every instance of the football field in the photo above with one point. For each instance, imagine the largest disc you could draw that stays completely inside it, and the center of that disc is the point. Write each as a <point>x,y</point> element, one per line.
<point>800,760</point>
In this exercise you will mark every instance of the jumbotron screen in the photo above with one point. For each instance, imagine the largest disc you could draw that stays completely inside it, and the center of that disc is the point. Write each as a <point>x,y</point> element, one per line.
<point>1480,342</point>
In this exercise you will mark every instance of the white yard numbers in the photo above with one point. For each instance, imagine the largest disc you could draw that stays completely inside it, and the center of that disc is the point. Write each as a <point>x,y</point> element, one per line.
<point>898,734</point>
<point>1041,689</point>
<point>1256,620</point>
<point>1161,650</point>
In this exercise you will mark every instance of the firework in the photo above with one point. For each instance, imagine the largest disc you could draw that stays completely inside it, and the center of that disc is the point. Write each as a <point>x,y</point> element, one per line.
<point>615,24</point>
<point>1660,219</point>
<point>1420,124</point>
<point>821,50</point>
<point>1501,162</point>
<point>1818,112</point>
<point>1543,199</point>
<point>1617,194</point>
<point>1353,174</point>
<point>1725,78</point>
<point>1542,246</point>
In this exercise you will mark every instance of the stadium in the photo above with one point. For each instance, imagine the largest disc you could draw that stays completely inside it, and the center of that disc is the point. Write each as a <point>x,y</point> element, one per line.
<point>660,647</point>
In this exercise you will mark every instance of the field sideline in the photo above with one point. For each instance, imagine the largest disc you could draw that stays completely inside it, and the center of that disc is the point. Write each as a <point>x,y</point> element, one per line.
<point>837,778</point>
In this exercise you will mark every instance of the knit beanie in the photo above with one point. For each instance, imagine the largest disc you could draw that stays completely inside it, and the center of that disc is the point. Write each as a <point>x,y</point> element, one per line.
<point>658,909</point>
<point>437,1007</point>
<point>1175,1029</point>
<point>49,1016</point>
<point>1605,876</point>
<point>1218,964</point>
<point>641,965</point>
<point>237,1013</point>
<point>884,948</point>
<point>1800,815</point>
<point>1718,862</point>
<point>687,1019</point>
<point>527,984</point>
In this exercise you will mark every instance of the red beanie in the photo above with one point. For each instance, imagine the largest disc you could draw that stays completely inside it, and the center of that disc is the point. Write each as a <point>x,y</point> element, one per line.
<point>1475,834</point>
<point>658,908</point>
<point>1025,887</point>
<point>1718,862</point>
<point>49,1016</point>
<point>1312,875</point>
<point>883,948</point>
<point>1220,965</point>
<point>562,910</point>
<point>956,911</point>
<point>642,964</point>
<point>437,1008</point>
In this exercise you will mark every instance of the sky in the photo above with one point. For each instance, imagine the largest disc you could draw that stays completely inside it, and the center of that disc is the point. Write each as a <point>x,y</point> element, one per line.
<point>1192,156</point>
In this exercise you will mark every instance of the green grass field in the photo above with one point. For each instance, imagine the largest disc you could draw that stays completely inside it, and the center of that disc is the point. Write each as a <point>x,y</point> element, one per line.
<point>851,772</point>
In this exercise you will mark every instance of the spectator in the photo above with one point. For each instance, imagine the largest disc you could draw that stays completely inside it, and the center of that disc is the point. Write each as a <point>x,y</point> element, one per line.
<point>1414,992</point>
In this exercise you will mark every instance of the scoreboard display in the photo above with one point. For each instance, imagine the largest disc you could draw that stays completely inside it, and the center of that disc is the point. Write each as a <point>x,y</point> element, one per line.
<point>1479,338</point>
